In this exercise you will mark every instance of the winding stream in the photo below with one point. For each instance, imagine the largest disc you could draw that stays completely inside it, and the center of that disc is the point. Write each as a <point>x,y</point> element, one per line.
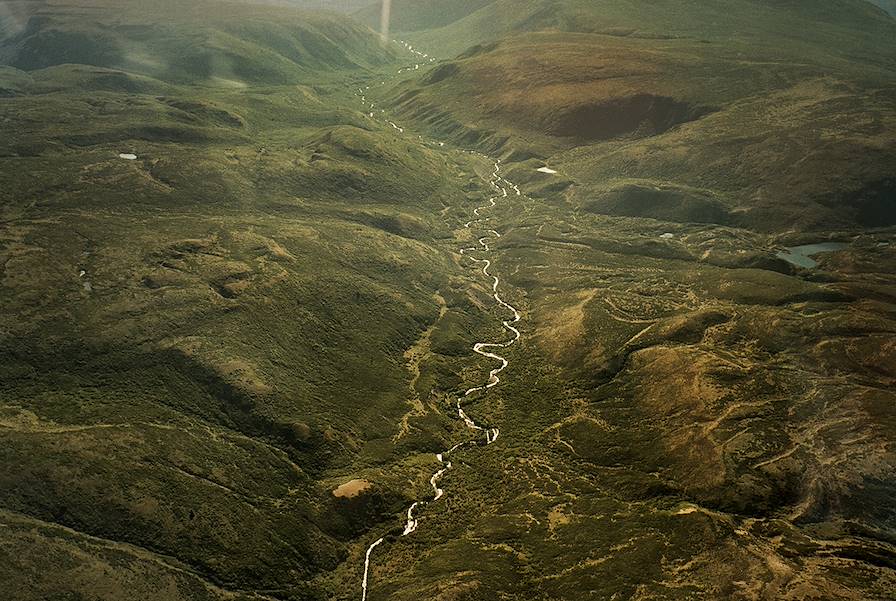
<point>485,349</point>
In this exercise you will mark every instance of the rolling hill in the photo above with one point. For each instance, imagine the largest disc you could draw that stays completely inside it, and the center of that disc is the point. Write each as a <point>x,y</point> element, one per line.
<point>764,24</point>
<point>408,15</point>
<point>182,385</point>
<point>243,289</point>
<point>223,44</point>
<point>763,103</point>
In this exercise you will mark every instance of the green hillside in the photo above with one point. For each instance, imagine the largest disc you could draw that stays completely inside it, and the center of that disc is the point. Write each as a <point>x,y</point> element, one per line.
<point>223,44</point>
<point>765,25</point>
<point>416,15</point>
<point>236,319</point>
<point>748,95</point>
<point>186,374</point>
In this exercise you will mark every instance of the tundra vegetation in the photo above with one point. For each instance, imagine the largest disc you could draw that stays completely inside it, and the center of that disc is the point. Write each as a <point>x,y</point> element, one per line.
<point>235,319</point>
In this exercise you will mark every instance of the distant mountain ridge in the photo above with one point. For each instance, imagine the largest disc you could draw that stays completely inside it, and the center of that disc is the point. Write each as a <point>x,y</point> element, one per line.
<point>415,15</point>
<point>343,6</point>
<point>453,26</point>
<point>203,41</point>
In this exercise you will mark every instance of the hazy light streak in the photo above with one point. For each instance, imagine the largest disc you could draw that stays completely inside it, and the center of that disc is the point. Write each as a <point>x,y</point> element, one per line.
<point>385,19</point>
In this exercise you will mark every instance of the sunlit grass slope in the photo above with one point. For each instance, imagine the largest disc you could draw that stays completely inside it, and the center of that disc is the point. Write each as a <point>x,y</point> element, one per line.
<point>740,113</point>
<point>199,344</point>
<point>784,27</point>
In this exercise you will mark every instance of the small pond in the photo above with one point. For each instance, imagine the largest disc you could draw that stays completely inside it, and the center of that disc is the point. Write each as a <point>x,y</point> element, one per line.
<point>801,256</point>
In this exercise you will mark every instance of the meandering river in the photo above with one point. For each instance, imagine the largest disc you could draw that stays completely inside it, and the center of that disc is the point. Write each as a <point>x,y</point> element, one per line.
<point>478,255</point>
<point>485,434</point>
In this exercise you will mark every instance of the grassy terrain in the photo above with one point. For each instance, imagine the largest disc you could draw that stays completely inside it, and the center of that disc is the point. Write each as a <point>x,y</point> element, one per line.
<point>203,348</point>
<point>661,113</point>
<point>416,15</point>
<point>687,416</point>
<point>781,27</point>
<point>200,43</point>
<point>675,425</point>
<point>200,343</point>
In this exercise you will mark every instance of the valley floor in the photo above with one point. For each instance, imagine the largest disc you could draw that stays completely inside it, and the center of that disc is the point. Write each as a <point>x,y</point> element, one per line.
<point>675,424</point>
<point>231,364</point>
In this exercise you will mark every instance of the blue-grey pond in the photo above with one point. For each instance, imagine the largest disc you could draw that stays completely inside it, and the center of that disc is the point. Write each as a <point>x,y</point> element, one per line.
<point>801,256</point>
